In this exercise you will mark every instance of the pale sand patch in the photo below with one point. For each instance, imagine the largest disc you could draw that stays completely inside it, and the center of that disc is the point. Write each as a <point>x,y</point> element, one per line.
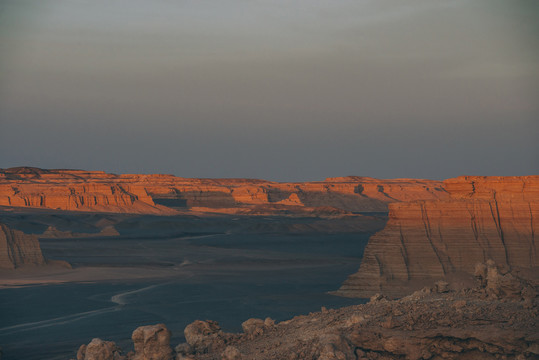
<point>46,275</point>
<point>31,276</point>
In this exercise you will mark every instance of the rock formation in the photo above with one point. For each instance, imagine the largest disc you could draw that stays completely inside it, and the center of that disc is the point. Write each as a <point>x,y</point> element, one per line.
<point>74,190</point>
<point>98,349</point>
<point>53,232</point>
<point>97,191</point>
<point>151,342</point>
<point>18,249</point>
<point>484,218</point>
<point>497,319</point>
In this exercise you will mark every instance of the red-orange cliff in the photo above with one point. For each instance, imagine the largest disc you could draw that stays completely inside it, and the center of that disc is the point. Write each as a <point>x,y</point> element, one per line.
<point>484,218</point>
<point>435,229</point>
<point>74,190</point>
<point>159,194</point>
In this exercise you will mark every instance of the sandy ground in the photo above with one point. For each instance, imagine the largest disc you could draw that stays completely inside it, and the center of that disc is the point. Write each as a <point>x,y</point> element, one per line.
<point>46,275</point>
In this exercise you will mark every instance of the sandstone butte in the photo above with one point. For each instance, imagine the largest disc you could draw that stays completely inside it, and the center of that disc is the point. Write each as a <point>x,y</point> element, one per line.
<point>97,191</point>
<point>18,249</point>
<point>482,218</point>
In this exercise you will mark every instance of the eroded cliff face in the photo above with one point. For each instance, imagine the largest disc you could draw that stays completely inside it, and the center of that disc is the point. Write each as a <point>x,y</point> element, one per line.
<point>74,190</point>
<point>162,194</point>
<point>18,249</point>
<point>484,218</point>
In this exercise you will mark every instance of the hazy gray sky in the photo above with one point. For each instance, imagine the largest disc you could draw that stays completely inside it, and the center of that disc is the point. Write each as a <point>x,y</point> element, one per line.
<point>275,89</point>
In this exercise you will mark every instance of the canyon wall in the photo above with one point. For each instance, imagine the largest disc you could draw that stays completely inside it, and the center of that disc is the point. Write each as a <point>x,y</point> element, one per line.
<point>485,218</point>
<point>18,249</point>
<point>74,190</point>
<point>165,194</point>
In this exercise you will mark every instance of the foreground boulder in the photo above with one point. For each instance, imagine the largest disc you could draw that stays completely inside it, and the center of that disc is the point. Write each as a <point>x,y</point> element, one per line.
<point>203,337</point>
<point>255,327</point>
<point>98,349</point>
<point>152,342</point>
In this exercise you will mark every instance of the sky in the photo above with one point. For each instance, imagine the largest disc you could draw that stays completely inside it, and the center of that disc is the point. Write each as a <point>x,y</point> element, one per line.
<point>274,89</point>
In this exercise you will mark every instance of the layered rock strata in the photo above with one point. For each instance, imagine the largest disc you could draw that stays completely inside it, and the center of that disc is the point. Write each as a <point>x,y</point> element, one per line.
<point>495,320</point>
<point>159,194</point>
<point>74,190</point>
<point>18,249</point>
<point>484,218</point>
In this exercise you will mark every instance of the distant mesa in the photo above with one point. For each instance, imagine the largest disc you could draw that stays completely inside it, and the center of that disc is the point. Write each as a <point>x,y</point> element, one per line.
<point>75,190</point>
<point>97,191</point>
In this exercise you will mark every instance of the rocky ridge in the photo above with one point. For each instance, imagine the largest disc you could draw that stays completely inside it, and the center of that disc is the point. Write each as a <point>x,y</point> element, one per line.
<point>484,218</point>
<point>98,191</point>
<point>497,319</point>
<point>74,190</point>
